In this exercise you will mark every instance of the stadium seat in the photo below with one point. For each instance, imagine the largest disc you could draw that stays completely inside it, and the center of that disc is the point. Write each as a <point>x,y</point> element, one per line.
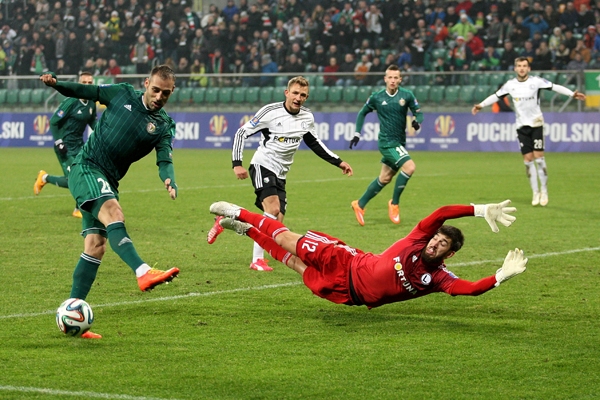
<point>349,94</point>
<point>481,92</point>
<point>563,78</point>
<point>439,53</point>
<point>319,80</point>
<point>436,94</point>
<point>239,95</point>
<point>550,76</point>
<point>252,95</point>
<point>412,88</point>
<point>319,94</point>
<point>281,81</point>
<point>467,93</point>
<point>422,93</point>
<point>363,93</point>
<point>497,79</point>
<point>38,96</point>
<point>3,96</point>
<point>334,94</point>
<point>451,93</point>
<point>25,96</point>
<point>225,95</point>
<point>198,95</point>
<point>211,95</point>
<point>311,80</point>
<point>265,95</point>
<point>184,96</point>
<point>480,79</point>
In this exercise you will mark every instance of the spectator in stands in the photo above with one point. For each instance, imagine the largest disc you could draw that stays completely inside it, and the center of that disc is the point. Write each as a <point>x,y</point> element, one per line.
<point>73,52</point>
<point>460,58</point>
<point>543,58</point>
<point>268,67</point>
<point>296,31</point>
<point>38,62</point>
<point>330,77</point>
<point>585,17</point>
<point>417,53</point>
<point>590,37</point>
<point>374,20</point>
<point>364,49</point>
<point>528,51</point>
<point>157,40</point>
<point>535,23</point>
<point>551,16</point>
<point>441,33</point>
<point>586,54</point>
<point>359,33</point>
<point>319,58</point>
<point>362,68</point>
<point>293,66</point>
<point>405,57</point>
<point>61,68</point>
<point>577,63</point>
<point>217,65</point>
<point>113,68</point>
<point>491,60</point>
<point>392,34</point>
<point>463,27</point>
<point>568,20</point>
<point>476,45</point>
<point>141,55</point>
<point>451,17</point>
<point>346,67</point>
<point>555,40</point>
<point>335,52</point>
<point>198,76</point>
<point>280,33</point>
<point>297,50</point>
<point>376,73</point>
<point>441,65</point>
<point>183,68</point>
<point>562,57</point>
<point>570,40</point>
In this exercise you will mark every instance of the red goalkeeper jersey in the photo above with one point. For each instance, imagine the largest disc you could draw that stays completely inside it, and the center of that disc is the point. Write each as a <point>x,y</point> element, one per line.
<point>400,274</point>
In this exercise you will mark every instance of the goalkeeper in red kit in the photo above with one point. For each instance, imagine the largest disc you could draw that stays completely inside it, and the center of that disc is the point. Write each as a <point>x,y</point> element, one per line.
<point>410,268</point>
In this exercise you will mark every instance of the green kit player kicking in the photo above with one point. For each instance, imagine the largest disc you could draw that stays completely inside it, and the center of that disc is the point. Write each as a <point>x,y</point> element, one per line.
<point>132,125</point>
<point>68,125</point>
<point>392,105</point>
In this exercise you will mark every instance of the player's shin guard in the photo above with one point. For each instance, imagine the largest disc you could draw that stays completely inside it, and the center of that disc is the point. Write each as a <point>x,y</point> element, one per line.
<point>122,245</point>
<point>60,181</point>
<point>269,245</point>
<point>266,225</point>
<point>532,175</point>
<point>401,182</point>
<point>542,173</point>
<point>84,276</point>
<point>372,191</point>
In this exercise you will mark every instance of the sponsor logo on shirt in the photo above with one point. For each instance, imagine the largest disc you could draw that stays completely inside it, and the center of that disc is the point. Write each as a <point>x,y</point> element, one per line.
<point>405,282</point>
<point>518,99</point>
<point>282,139</point>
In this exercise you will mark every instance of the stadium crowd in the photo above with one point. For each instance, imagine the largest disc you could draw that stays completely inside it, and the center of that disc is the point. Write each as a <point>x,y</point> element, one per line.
<point>110,37</point>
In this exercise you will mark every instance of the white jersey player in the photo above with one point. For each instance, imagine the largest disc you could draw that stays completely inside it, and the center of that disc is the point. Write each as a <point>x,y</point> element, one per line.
<point>525,93</point>
<point>282,126</point>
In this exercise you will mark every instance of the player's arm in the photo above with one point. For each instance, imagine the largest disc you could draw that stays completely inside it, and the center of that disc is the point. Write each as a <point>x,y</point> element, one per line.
<point>514,264</point>
<point>567,92</point>
<point>256,124</point>
<point>56,123</point>
<point>319,148</point>
<point>360,121</point>
<point>164,160</point>
<point>488,101</point>
<point>415,109</point>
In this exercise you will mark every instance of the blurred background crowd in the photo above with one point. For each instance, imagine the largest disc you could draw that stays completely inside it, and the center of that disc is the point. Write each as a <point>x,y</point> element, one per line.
<point>254,37</point>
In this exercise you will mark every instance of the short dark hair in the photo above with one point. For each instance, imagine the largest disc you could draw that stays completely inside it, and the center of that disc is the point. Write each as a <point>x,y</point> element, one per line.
<point>163,71</point>
<point>85,73</point>
<point>393,67</point>
<point>454,234</point>
<point>521,59</point>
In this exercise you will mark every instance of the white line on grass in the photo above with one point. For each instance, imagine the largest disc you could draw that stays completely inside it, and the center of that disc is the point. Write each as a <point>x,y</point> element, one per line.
<point>264,287</point>
<point>182,296</point>
<point>83,395</point>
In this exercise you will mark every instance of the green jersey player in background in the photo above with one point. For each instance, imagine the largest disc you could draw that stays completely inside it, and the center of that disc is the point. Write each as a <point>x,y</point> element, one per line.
<point>392,105</point>
<point>67,126</point>
<point>132,125</point>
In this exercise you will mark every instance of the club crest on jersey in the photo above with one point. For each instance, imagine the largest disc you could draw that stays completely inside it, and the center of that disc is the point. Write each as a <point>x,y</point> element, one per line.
<point>254,121</point>
<point>60,113</point>
<point>306,125</point>
<point>151,128</point>
<point>266,180</point>
<point>426,279</point>
<point>402,102</point>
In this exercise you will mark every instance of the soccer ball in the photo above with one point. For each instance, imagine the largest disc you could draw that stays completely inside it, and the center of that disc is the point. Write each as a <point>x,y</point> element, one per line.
<point>74,317</point>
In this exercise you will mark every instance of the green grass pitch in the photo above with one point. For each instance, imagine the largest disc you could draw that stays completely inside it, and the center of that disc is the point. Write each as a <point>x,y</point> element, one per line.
<point>222,331</point>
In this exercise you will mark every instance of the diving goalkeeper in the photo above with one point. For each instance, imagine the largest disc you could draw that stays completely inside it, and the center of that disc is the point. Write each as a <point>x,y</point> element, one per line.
<point>412,267</point>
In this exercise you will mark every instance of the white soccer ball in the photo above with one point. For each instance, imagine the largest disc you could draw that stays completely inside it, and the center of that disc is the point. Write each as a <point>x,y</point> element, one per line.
<point>74,317</point>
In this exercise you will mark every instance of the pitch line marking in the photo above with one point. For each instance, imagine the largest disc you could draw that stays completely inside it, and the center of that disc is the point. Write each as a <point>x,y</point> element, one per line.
<point>80,394</point>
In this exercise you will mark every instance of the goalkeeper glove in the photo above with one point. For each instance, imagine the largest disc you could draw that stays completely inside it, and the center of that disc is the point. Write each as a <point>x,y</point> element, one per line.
<point>496,213</point>
<point>60,147</point>
<point>415,125</point>
<point>514,264</point>
<point>355,140</point>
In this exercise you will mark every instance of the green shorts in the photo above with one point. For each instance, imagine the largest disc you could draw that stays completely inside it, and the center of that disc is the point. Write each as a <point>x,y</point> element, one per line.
<point>65,162</point>
<point>90,189</point>
<point>394,157</point>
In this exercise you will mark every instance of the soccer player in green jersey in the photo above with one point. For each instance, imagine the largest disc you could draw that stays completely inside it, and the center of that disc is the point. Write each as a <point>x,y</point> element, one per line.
<point>392,105</point>
<point>132,125</point>
<point>68,125</point>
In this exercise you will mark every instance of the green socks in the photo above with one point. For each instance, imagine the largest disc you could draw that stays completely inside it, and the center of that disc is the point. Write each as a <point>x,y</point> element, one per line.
<point>372,191</point>
<point>84,276</point>
<point>60,181</point>
<point>401,182</point>
<point>122,245</point>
